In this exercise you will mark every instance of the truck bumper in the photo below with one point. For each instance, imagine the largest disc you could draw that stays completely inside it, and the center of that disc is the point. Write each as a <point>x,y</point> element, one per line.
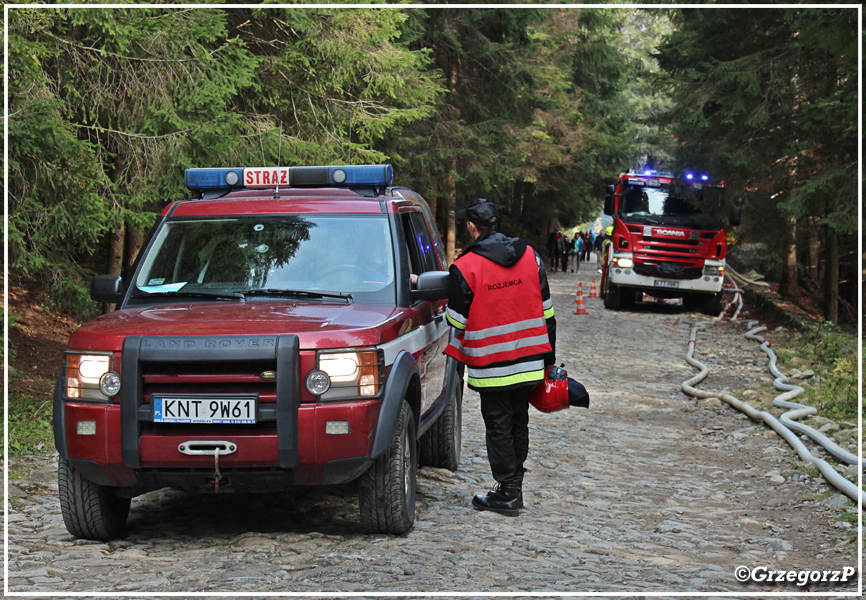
<point>667,287</point>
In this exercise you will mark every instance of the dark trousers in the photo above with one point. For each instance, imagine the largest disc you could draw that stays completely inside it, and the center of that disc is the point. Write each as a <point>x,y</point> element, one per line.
<point>506,417</point>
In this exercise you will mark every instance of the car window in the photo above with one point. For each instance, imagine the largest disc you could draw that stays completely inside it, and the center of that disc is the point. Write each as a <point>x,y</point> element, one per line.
<point>421,251</point>
<point>322,253</point>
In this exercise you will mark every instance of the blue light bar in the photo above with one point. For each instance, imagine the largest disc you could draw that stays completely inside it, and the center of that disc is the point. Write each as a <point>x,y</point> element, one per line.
<point>282,177</point>
<point>213,179</point>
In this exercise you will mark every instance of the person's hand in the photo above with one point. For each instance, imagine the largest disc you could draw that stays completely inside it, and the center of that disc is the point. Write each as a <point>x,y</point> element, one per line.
<point>413,279</point>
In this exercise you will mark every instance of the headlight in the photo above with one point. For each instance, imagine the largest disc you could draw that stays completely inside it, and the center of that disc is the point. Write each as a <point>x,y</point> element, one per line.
<point>625,263</point>
<point>350,374</point>
<point>714,270</point>
<point>89,377</point>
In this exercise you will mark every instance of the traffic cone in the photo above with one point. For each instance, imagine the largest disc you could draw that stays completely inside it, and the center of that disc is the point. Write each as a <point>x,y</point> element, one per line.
<point>592,292</point>
<point>581,309</point>
<point>579,292</point>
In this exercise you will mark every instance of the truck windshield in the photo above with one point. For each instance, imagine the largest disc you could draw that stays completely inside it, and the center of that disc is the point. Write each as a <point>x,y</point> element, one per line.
<point>334,256</point>
<point>685,206</point>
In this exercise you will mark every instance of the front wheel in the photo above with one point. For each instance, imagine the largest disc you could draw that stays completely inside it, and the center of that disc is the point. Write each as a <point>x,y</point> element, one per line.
<point>441,444</point>
<point>90,511</point>
<point>387,489</point>
<point>612,294</point>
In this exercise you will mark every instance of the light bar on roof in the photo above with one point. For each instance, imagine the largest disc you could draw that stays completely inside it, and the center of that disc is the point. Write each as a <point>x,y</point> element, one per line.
<point>301,176</point>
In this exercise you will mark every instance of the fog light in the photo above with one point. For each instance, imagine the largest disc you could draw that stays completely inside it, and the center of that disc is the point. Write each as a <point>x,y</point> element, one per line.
<point>617,271</point>
<point>109,384</point>
<point>336,427</point>
<point>317,382</point>
<point>85,427</point>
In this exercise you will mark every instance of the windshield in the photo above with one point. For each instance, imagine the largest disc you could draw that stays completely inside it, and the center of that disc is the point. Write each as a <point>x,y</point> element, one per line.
<point>333,254</point>
<point>686,206</point>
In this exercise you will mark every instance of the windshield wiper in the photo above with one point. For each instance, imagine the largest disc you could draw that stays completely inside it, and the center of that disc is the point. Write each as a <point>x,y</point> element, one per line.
<point>295,294</point>
<point>198,294</point>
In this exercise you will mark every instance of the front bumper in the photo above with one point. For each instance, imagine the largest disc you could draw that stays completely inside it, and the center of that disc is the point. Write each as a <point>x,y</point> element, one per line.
<point>665,286</point>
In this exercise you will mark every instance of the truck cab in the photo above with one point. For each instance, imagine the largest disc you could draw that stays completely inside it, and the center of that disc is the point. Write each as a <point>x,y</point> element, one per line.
<point>284,326</point>
<point>668,240</point>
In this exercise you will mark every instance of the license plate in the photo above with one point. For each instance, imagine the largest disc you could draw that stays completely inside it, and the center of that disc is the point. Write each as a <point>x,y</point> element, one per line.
<point>204,409</point>
<point>667,284</point>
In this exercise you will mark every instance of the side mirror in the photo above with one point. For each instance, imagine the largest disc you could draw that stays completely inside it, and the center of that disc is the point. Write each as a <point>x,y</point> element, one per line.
<point>432,285</point>
<point>106,288</point>
<point>608,200</point>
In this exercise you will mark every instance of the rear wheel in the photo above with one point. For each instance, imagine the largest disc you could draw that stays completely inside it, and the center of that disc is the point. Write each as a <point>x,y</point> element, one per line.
<point>387,489</point>
<point>90,511</point>
<point>440,446</point>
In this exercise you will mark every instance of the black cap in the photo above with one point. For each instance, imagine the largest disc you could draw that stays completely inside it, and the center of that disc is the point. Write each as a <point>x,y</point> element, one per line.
<point>480,211</point>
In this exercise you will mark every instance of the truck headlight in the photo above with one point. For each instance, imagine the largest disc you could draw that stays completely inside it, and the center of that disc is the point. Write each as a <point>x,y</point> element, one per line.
<point>89,376</point>
<point>351,374</point>
<point>625,263</point>
<point>714,270</point>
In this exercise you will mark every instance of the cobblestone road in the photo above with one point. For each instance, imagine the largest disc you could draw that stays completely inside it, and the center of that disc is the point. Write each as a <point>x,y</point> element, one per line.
<point>648,490</point>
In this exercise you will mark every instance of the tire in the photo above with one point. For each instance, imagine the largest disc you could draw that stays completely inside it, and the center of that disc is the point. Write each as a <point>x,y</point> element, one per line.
<point>441,445</point>
<point>712,304</point>
<point>90,511</point>
<point>387,489</point>
<point>612,295</point>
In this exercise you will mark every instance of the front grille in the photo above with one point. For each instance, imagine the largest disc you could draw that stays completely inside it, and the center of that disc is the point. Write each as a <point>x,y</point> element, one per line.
<point>668,269</point>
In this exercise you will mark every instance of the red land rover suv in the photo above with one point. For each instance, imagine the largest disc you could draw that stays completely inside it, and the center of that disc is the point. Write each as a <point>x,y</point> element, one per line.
<point>269,335</point>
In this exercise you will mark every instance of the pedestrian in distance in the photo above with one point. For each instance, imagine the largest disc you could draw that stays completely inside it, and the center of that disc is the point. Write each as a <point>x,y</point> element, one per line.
<point>578,250</point>
<point>566,252</point>
<point>499,302</point>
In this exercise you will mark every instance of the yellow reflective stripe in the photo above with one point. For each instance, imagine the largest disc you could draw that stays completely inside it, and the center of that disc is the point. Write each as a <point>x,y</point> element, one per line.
<point>454,322</point>
<point>548,313</point>
<point>504,381</point>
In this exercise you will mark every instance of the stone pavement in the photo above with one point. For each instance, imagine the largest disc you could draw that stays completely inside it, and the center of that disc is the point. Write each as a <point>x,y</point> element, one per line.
<point>647,491</point>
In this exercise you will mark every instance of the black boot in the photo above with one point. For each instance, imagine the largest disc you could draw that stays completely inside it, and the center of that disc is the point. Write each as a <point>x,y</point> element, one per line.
<point>503,499</point>
<point>518,480</point>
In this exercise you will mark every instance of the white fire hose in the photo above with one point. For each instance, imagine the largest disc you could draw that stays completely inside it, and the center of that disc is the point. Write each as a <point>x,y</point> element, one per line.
<point>784,424</point>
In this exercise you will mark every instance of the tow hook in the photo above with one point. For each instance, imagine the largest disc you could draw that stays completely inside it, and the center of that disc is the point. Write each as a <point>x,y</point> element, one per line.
<point>216,448</point>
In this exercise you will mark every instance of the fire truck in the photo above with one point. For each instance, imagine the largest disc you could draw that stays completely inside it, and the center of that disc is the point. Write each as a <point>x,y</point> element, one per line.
<point>668,240</point>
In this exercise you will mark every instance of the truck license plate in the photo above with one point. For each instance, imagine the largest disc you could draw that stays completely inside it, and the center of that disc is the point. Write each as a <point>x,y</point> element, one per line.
<point>204,409</point>
<point>667,284</point>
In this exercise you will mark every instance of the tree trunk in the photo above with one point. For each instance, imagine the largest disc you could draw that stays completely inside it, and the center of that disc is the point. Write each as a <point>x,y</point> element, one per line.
<point>134,240</point>
<point>451,203</point>
<point>116,244</point>
<point>789,285</point>
<point>832,312</point>
<point>814,249</point>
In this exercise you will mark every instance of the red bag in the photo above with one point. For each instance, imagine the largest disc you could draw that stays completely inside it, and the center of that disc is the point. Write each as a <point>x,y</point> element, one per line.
<point>551,394</point>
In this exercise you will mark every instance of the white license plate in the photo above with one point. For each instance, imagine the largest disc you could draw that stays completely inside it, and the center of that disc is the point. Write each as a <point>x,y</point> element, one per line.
<point>667,284</point>
<point>218,411</point>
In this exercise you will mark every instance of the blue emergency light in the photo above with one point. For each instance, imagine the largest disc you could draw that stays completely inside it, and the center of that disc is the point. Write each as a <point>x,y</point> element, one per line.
<point>285,177</point>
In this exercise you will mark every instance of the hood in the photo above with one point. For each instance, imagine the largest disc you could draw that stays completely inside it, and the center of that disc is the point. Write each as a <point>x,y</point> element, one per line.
<point>317,324</point>
<point>499,248</point>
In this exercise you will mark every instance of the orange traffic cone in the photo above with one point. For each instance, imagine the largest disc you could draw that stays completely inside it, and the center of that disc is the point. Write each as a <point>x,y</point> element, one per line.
<point>581,309</point>
<point>592,292</point>
<point>579,292</point>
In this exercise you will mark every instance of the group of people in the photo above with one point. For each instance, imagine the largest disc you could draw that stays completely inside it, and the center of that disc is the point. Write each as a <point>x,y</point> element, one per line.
<point>561,249</point>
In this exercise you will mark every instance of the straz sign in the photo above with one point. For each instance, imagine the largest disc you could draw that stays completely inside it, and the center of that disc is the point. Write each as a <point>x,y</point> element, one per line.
<point>262,177</point>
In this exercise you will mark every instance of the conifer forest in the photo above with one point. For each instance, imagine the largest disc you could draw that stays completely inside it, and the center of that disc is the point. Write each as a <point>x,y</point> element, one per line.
<point>537,108</point>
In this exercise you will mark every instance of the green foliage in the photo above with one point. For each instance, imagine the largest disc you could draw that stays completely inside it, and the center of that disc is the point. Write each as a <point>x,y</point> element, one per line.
<point>30,426</point>
<point>832,354</point>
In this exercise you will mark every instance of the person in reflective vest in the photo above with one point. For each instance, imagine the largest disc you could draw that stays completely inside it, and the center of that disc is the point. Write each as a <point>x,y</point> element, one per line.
<point>499,303</point>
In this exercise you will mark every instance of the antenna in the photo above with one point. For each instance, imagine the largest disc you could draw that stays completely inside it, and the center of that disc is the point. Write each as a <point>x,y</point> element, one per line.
<point>262,144</point>
<point>279,159</point>
<point>351,116</point>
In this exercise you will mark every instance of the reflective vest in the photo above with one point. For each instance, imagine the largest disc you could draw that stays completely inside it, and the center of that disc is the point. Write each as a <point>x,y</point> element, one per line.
<point>506,325</point>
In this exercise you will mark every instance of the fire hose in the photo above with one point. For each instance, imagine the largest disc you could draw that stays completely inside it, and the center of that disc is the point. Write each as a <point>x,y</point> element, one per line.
<point>784,424</point>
